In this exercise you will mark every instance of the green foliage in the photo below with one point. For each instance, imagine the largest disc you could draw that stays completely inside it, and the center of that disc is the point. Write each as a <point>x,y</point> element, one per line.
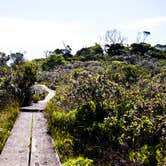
<point>110,110</point>
<point>149,155</point>
<point>90,53</point>
<point>159,54</point>
<point>66,52</point>
<point>16,80</point>
<point>126,74</point>
<point>63,143</point>
<point>3,59</point>
<point>39,96</point>
<point>140,48</point>
<point>52,61</point>
<point>96,49</point>
<point>36,97</point>
<point>115,110</point>
<point>16,59</point>
<point>8,116</point>
<point>80,161</point>
<point>24,77</point>
<point>114,49</point>
<point>65,121</point>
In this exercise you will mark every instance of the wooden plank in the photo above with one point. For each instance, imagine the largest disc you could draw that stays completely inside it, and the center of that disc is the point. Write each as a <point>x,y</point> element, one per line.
<point>42,153</point>
<point>16,149</point>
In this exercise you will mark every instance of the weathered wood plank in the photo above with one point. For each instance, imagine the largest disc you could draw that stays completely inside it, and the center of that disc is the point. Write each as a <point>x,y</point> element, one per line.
<point>16,149</point>
<point>42,153</point>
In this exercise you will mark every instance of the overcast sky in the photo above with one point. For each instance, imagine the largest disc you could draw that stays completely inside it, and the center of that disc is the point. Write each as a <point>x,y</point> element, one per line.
<point>35,26</point>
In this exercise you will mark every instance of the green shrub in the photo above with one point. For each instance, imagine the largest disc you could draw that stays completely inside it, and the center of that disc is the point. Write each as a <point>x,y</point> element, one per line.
<point>52,61</point>
<point>80,161</point>
<point>63,143</point>
<point>36,97</point>
<point>39,96</point>
<point>111,114</point>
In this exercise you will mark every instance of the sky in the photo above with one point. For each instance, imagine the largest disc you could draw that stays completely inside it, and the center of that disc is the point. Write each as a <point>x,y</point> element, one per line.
<point>35,26</point>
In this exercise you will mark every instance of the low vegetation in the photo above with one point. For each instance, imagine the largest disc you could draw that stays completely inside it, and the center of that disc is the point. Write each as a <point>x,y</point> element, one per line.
<point>38,94</point>
<point>109,107</point>
<point>111,110</point>
<point>8,116</point>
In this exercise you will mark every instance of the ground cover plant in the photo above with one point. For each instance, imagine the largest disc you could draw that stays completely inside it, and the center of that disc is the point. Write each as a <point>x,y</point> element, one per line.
<point>110,111</point>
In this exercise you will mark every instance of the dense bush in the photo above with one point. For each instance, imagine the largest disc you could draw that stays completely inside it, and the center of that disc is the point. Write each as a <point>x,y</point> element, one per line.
<point>52,61</point>
<point>38,94</point>
<point>113,114</point>
<point>140,48</point>
<point>90,53</point>
<point>114,49</point>
<point>23,77</point>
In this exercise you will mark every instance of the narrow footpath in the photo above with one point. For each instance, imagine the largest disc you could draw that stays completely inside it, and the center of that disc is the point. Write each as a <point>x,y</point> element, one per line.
<point>29,143</point>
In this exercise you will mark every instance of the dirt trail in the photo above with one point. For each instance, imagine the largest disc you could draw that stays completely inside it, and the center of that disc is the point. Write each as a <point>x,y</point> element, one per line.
<point>29,144</point>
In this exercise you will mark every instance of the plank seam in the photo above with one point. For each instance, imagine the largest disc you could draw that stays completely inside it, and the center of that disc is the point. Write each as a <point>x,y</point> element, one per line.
<point>30,141</point>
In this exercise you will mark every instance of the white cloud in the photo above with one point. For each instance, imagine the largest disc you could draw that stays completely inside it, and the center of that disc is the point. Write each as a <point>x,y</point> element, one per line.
<point>141,24</point>
<point>35,36</point>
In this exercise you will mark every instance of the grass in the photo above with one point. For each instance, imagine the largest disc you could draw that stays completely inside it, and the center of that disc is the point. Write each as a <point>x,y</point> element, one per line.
<point>8,115</point>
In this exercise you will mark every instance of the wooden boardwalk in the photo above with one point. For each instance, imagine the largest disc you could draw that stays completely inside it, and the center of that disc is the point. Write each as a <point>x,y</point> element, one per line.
<point>16,149</point>
<point>42,152</point>
<point>29,143</point>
